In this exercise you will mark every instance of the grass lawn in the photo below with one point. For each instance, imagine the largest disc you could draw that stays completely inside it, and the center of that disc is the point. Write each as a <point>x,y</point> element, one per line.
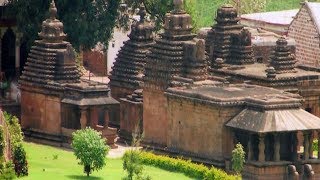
<point>43,165</point>
<point>206,9</point>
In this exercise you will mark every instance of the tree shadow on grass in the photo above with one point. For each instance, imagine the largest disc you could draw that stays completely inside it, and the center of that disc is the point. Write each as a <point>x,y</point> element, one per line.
<point>84,177</point>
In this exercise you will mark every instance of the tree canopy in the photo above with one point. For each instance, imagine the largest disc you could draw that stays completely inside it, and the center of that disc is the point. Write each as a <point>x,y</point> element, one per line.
<point>90,148</point>
<point>86,22</point>
<point>157,9</point>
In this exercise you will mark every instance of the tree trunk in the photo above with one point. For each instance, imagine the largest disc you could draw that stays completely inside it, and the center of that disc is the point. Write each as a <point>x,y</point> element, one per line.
<point>87,169</point>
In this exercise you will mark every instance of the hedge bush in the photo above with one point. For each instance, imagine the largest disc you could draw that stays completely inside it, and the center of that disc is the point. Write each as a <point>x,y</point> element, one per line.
<point>198,171</point>
<point>16,138</point>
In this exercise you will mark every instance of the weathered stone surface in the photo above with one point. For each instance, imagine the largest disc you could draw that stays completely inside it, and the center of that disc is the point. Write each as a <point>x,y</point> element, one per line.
<point>128,70</point>
<point>53,98</point>
<point>283,60</point>
<point>131,116</point>
<point>228,39</point>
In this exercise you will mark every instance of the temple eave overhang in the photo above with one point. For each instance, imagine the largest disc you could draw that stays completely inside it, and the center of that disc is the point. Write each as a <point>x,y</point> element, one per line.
<point>287,120</point>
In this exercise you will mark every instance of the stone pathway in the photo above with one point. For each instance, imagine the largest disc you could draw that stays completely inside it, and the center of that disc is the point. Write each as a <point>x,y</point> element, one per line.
<point>118,152</point>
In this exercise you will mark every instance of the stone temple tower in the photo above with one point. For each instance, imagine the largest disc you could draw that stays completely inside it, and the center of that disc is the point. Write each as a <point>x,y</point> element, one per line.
<point>175,55</point>
<point>54,100</point>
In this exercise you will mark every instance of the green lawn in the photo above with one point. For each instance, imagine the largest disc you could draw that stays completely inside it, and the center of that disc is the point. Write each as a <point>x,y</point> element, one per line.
<point>206,9</point>
<point>42,165</point>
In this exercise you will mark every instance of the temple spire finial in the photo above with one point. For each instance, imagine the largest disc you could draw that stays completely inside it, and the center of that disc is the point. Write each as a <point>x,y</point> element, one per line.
<point>178,5</point>
<point>142,12</point>
<point>53,10</point>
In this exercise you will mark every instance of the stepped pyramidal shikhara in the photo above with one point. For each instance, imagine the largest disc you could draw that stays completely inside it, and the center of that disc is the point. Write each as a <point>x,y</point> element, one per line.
<point>55,101</point>
<point>176,58</point>
<point>283,60</point>
<point>228,40</point>
<point>51,59</point>
<point>128,70</point>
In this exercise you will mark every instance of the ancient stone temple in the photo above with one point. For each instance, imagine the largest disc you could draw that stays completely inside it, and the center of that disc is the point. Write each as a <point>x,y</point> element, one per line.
<point>280,71</point>
<point>206,121</point>
<point>199,114</point>
<point>176,57</point>
<point>228,39</point>
<point>54,100</point>
<point>128,70</point>
<point>283,60</point>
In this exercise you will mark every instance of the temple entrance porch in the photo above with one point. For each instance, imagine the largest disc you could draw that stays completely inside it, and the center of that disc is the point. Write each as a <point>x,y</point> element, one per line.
<point>277,155</point>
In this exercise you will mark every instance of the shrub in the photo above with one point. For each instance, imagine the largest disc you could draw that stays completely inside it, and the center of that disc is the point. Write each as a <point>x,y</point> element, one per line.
<point>16,138</point>
<point>2,142</point>
<point>133,165</point>
<point>20,161</point>
<point>315,145</point>
<point>198,171</point>
<point>7,171</point>
<point>90,148</point>
<point>238,158</point>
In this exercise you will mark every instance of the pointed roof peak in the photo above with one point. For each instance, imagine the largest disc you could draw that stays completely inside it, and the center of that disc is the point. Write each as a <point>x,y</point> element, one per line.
<point>53,10</point>
<point>142,12</point>
<point>178,6</point>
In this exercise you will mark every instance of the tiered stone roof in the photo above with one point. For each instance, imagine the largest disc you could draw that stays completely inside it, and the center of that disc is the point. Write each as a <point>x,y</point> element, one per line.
<point>51,59</point>
<point>195,64</point>
<point>136,96</point>
<point>128,69</point>
<point>283,60</point>
<point>228,40</point>
<point>241,48</point>
<point>169,56</point>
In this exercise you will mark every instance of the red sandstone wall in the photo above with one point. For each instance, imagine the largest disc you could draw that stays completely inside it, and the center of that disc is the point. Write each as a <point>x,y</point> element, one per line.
<point>96,62</point>
<point>199,128</point>
<point>41,112</point>
<point>131,114</point>
<point>155,123</point>
<point>304,32</point>
<point>120,92</point>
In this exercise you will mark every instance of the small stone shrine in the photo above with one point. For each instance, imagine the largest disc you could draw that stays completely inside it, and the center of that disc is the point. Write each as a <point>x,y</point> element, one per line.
<point>283,60</point>
<point>54,100</point>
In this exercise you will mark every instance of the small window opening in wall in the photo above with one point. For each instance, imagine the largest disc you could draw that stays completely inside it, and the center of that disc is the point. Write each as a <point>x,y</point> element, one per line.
<point>179,122</point>
<point>259,59</point>
<point>308,109</point>
<point>101,118</point>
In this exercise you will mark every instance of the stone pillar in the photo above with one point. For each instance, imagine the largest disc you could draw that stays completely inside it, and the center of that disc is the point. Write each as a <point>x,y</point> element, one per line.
<point>250,152</point>
<point>261,148</point>
<point>84,117</point>
<point>310,144</point>
<point>17,62</point>
<point>276,147</point>
<point>107,118</point>
<point>306,145</point>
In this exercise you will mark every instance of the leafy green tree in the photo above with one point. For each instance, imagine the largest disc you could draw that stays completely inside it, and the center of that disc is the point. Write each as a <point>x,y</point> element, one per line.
<point>157,10</point>
<point>90,148</point>
<point>86,22</point>
<point>249,6</point>
<point>238,158</point>
<point>132,162</point>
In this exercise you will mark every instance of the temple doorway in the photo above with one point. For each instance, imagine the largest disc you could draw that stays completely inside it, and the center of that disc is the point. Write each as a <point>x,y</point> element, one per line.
<point>8,54</point>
